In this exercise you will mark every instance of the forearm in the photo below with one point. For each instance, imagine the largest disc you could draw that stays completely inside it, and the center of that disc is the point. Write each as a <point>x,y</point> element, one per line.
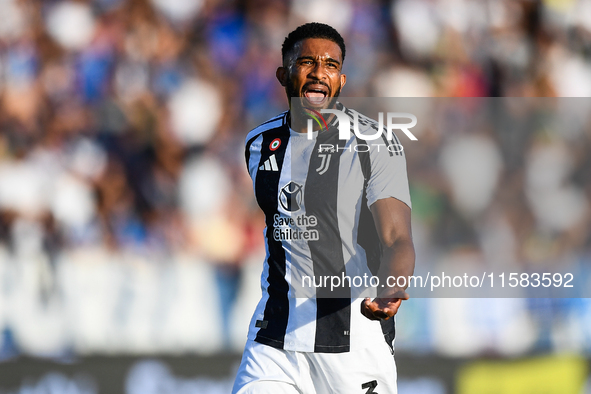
<point>398,260</point>
<point>392,218</point>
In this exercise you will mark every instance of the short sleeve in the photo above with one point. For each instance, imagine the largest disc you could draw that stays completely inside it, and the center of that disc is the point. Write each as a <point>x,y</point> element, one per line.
<point>388,174</point>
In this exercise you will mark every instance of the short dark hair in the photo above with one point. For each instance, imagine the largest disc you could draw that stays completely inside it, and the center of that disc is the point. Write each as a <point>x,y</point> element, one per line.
<point>312,30</point>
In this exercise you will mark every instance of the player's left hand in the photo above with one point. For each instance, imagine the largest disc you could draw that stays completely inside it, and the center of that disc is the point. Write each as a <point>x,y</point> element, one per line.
<point>383,307</point>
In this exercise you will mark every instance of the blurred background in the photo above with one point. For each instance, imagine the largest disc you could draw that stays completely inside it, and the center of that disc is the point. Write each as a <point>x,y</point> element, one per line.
<point>130,243</point>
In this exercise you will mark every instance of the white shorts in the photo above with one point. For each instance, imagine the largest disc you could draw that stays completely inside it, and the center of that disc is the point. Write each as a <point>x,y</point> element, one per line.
<point>266,370</point>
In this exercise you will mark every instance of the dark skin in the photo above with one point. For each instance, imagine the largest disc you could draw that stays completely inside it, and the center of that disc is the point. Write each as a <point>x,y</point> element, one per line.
<point>392,218</point>
<point>316,65</point>
<point>313,69</point>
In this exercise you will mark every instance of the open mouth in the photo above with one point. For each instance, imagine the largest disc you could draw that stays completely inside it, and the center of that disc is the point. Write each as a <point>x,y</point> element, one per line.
<point>316,94</point>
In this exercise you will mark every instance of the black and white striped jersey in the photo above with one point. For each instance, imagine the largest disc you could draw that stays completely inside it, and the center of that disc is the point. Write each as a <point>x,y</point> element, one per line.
<point>316,195</point>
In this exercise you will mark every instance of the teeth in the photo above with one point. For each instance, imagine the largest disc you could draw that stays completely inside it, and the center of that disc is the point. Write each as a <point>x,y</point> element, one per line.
<point>315,97</point>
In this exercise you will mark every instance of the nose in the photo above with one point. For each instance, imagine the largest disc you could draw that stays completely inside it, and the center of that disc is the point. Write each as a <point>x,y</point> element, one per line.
<point>318,71</point>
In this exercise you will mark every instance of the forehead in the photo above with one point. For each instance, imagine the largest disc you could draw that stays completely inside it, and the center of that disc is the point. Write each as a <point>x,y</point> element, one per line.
<point>319,47</point>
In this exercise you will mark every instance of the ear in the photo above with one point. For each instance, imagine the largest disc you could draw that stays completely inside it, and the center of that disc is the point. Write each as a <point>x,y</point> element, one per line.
<point>281,75</point>
<point>343,80</point>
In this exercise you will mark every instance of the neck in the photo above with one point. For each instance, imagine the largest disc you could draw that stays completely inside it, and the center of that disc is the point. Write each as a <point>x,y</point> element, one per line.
<point>299,122</point>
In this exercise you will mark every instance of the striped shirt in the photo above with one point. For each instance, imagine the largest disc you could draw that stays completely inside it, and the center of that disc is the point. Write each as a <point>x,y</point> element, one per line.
<point>316,195</point>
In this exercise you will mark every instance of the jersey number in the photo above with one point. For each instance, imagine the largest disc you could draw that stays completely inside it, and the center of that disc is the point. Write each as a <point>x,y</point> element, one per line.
<point>370,386</point>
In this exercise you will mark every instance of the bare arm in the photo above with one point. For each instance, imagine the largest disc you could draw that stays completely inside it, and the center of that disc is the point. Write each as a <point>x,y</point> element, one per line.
<point>392,218</point>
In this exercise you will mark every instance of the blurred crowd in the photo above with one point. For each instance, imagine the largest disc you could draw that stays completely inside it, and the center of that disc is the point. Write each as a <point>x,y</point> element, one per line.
<point>122,124</point>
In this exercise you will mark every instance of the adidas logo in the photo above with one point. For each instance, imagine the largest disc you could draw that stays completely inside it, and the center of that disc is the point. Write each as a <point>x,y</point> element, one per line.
<point>270,164</point>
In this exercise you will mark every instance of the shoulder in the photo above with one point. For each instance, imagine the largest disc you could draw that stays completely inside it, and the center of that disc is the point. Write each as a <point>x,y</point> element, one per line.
<point>272,124</point>
<point>364,124</point>
<point>374,135</point>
